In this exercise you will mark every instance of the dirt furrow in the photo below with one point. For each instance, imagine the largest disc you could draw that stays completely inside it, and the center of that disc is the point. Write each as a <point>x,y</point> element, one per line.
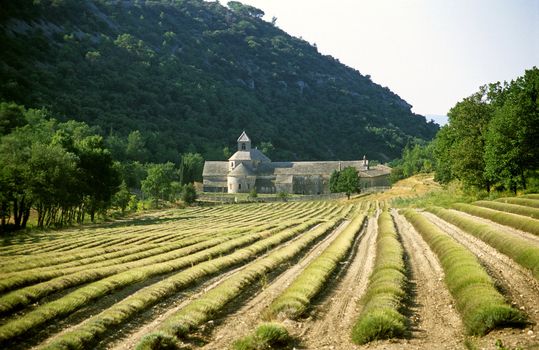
<point>115,338</point>
<point>530,237</point>
<point>239,321</point>
<point>332,324</point>
<point>514,281</point>
<point>245,318</point>
<point>122,337</point>
<point>434,321</point>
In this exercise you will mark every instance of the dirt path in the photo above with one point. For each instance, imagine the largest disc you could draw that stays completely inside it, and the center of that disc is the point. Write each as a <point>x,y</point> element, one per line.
<point>528,236</point>
<point>515,282</point>
<point>434,320</point>
<point>242,320</point>
<point>332,325</point>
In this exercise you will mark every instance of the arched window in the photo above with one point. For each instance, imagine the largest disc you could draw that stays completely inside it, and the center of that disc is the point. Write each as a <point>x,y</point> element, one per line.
<point>232,164</point>
<point>239,186</point>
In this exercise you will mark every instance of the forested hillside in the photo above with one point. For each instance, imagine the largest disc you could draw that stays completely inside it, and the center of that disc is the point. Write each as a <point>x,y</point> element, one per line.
<point>160,78</point>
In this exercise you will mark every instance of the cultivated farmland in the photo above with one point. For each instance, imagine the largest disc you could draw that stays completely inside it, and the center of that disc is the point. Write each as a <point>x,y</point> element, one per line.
<point>310,275</point>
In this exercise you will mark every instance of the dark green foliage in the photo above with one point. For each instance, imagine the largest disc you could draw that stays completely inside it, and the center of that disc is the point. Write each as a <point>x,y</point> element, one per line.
<point>464,144</point>
<point>164,78</point>
<point>334,181</point>
<point>101,178</point>
<point>61,170</point>
<point>512,147</point>
<point>191,166</point>
<point>157,185</point>
<point>267,148</point>
<point>189,194</point>
<point>132,173</point>
<point>135,148</point>
<point>11,116</point>
<point>346,180</point>
<point>491,140</point>
<point>122,198</point>
<point>442,152</point>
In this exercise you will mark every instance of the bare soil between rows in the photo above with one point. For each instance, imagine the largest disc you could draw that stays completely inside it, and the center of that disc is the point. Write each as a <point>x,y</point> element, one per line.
<point>243,321</point>
<point>331,323</point>
<point>515,282</point>
<point>152,320</point>
<point>119,334</point>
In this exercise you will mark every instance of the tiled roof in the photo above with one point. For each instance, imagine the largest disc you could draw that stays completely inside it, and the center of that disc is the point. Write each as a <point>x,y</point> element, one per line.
<point>253,154</point>
<point>297,168</point>
<point>374,171</point>
<point>241,170</point>
<point>215,168</point>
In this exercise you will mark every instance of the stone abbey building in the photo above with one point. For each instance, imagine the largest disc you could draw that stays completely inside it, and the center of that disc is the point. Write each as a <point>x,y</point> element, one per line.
<point>249,168</point>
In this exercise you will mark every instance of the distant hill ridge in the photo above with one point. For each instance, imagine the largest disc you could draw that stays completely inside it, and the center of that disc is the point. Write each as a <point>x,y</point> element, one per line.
<point>190,74</point>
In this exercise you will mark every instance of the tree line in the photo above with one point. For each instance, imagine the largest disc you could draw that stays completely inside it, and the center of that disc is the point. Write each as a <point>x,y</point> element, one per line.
<point>491,141</point>
<point>65,173</point>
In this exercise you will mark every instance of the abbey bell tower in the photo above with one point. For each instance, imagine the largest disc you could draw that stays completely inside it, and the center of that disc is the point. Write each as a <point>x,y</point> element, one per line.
<point>244,142</point>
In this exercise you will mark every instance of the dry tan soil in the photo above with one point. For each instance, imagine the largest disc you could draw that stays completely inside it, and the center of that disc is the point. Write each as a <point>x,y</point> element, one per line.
<point>232,325</point>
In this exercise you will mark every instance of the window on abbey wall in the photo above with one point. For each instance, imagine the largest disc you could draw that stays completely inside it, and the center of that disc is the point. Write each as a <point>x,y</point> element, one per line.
<point>239,187</point>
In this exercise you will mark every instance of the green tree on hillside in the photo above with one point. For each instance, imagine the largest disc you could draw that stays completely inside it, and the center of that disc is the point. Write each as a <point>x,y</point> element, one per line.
<point>267,148</point>
<point>136,147</point>
<point>11,116</point>
<point>195,72</point>
<point>246,10</point>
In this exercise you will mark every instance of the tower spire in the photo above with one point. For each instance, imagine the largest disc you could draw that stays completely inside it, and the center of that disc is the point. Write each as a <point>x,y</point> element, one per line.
<point>244,142</point>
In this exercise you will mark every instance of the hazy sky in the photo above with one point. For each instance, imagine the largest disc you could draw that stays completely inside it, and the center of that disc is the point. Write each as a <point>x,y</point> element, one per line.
<point>432,53</point>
